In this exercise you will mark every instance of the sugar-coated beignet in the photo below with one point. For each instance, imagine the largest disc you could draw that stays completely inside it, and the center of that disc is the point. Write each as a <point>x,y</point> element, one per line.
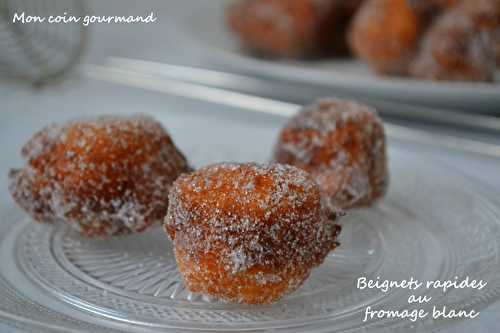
<point>455,49</point>
<point>341,144</point>
<point>248,233</point>
<point>385,34</point>
<point>292,28</point>
<point>105,177</point>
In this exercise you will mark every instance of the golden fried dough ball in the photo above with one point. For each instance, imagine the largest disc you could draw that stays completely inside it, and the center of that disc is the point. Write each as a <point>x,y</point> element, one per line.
<point>248,233</point>
<point>291,28</point>
<point>385,34</point>
<point>341,144</point>
<point>454,49</point>
<point>104,177</point>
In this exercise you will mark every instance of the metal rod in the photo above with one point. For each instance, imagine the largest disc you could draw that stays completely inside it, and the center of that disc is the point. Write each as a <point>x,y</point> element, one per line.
<point>290,91</point>
<point>252,103</point>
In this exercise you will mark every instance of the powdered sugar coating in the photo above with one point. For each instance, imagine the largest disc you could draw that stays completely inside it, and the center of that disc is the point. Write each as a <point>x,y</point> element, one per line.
<point>104,176</point>
<point>342,144</point>
<point>455,49</point>
<point>246,232</point>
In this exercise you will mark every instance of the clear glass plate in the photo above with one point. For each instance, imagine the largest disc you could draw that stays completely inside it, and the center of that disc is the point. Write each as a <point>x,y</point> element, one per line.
<point>433,224</point>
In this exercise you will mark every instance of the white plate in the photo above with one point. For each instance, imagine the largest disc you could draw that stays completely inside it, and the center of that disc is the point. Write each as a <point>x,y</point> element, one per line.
<point>203,25</point>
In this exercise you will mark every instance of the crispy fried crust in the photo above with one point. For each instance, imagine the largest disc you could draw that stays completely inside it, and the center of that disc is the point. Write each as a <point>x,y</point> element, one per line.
<point>248,233</point>
<point>342,144</point>
<point>105,177</point>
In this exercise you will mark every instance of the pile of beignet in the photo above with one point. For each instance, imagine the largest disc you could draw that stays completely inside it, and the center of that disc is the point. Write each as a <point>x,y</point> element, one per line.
<point>456,40</point>
<point>242,232</point>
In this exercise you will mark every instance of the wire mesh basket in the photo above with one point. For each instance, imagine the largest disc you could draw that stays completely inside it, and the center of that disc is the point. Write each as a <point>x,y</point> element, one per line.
<point>35,51</point>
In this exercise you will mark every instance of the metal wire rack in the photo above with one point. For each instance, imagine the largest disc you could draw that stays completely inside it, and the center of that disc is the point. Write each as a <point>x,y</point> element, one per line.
<point>39,52</point>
